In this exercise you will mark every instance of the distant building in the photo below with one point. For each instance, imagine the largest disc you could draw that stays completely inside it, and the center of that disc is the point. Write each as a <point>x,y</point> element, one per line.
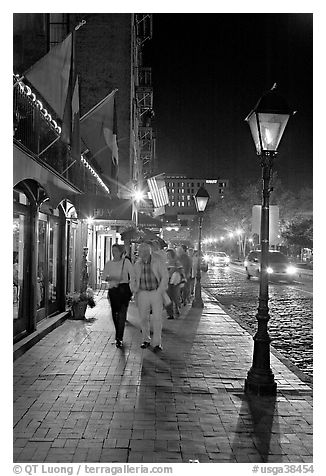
<point>181,191</point>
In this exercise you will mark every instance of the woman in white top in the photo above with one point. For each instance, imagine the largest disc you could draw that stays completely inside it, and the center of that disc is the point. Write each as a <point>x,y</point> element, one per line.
<point>120,275</point>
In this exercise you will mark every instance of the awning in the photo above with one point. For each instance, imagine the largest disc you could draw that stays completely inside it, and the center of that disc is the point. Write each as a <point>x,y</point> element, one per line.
<point>148,222</point>
<point>26,167</point>
<point>103,207</point>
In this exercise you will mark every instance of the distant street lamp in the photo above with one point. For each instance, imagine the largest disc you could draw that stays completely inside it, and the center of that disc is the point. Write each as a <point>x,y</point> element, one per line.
<point>138,197</point>
<point>201,199</point>
<point>267,122</point>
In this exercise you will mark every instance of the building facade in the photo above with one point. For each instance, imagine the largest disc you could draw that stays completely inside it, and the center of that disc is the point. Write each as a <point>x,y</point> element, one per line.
<point>62,205</point>
<point>181,191</point>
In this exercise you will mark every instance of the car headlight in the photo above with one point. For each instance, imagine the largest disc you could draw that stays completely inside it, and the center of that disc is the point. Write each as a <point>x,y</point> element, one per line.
<point>227,259</point>
<point>291,270</point>
<point>269,270</point>
<point>206,258</point>
<point>215,259</point>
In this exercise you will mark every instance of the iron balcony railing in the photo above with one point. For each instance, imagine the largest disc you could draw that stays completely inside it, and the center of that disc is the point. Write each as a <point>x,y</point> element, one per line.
<point>37,130</point>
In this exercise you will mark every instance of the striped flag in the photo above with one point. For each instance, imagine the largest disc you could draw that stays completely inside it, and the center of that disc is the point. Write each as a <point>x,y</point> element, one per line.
<point>158,190</point>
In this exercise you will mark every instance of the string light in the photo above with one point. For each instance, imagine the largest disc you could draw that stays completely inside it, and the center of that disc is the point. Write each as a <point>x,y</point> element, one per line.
<point>25,89</point>
<point>98,178</point>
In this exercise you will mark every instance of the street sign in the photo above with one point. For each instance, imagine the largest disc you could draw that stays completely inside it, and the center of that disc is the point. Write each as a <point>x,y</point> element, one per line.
<point>274,228</point>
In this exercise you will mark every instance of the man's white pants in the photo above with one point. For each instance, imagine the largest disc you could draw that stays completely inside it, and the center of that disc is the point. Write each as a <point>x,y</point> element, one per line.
<point>147,301</point>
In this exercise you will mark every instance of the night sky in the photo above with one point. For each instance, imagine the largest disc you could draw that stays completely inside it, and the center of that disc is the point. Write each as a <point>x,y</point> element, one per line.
<point>209,70</point>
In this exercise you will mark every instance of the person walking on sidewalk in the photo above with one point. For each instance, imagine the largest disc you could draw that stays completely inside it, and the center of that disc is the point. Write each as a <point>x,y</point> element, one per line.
<point>120,275</point>
<point>186,263</point>
<point>175,275</point>
<point>151,284</point>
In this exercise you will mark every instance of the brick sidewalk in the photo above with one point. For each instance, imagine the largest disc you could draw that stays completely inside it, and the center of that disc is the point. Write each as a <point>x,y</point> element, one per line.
<point>77,398</point>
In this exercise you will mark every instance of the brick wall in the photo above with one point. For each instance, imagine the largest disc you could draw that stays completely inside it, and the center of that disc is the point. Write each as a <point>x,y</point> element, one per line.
<point>103,61</point>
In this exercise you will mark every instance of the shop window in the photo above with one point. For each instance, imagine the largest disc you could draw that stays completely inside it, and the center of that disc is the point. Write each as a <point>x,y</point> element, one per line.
<point>19,264</point>
<point>41,263</point>
<point>20,197</point>
<point>53,261</point>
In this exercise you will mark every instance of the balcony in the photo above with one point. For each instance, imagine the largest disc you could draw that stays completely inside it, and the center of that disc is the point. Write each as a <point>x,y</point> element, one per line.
<point>37,131</point>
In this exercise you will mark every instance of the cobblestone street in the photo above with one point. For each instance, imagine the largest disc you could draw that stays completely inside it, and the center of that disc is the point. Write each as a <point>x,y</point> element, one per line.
<point>291,311</point>
<point>77,398</point>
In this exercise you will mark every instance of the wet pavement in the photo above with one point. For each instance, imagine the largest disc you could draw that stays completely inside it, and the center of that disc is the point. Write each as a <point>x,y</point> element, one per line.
<point>77,398</point>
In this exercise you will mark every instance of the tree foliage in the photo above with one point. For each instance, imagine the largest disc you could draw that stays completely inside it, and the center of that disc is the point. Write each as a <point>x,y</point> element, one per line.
<point>235,209</point>
<point>299,232</point>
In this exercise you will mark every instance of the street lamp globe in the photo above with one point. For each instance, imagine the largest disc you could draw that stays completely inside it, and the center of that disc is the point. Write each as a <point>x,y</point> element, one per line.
<point>267,121</point>
<point>201,199</point>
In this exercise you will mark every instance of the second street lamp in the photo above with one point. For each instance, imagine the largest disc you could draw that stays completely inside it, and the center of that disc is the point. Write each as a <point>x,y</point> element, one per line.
<point>201,199</point>
<point>267,122</point>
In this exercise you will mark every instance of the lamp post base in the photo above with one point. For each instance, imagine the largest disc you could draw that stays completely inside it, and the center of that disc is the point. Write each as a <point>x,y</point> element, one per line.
<point>260,389</point>
<point>198,303</point>
<point>260,382</point>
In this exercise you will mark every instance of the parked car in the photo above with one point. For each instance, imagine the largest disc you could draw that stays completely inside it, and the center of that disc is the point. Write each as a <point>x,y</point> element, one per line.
<point>279,267</point>
<point>219,258</point>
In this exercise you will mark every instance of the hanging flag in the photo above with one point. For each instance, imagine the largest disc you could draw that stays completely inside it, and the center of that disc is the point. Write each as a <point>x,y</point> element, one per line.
<point>75,134</point>
<point>99,134</point>
<point>51,74</point>
<point>158,190</point>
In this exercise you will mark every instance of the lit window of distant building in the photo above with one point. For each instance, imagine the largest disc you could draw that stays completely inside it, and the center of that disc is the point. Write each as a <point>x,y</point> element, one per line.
<point>182,204</point>
<point>172,203</point>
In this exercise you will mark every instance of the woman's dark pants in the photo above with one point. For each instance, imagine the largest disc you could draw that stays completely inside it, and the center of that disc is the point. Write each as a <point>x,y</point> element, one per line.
<point>119,300</point>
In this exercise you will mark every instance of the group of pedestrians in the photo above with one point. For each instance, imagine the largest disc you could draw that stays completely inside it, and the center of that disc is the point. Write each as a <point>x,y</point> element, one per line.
<point>157,279</point>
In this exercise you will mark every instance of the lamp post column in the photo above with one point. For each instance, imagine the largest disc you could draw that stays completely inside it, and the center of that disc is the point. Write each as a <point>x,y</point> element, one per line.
<point>260,378</point>
<point>198,302</point>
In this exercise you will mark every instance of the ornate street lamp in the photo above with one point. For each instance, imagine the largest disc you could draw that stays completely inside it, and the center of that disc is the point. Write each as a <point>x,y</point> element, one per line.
<point>201,199</point>
<point>267,122</point>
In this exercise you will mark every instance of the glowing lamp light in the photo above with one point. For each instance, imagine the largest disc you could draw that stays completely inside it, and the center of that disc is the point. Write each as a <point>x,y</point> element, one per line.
<point>267,121</point>
<point>89,221</point>
<point>138,195</point>
<point>201,199</point>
